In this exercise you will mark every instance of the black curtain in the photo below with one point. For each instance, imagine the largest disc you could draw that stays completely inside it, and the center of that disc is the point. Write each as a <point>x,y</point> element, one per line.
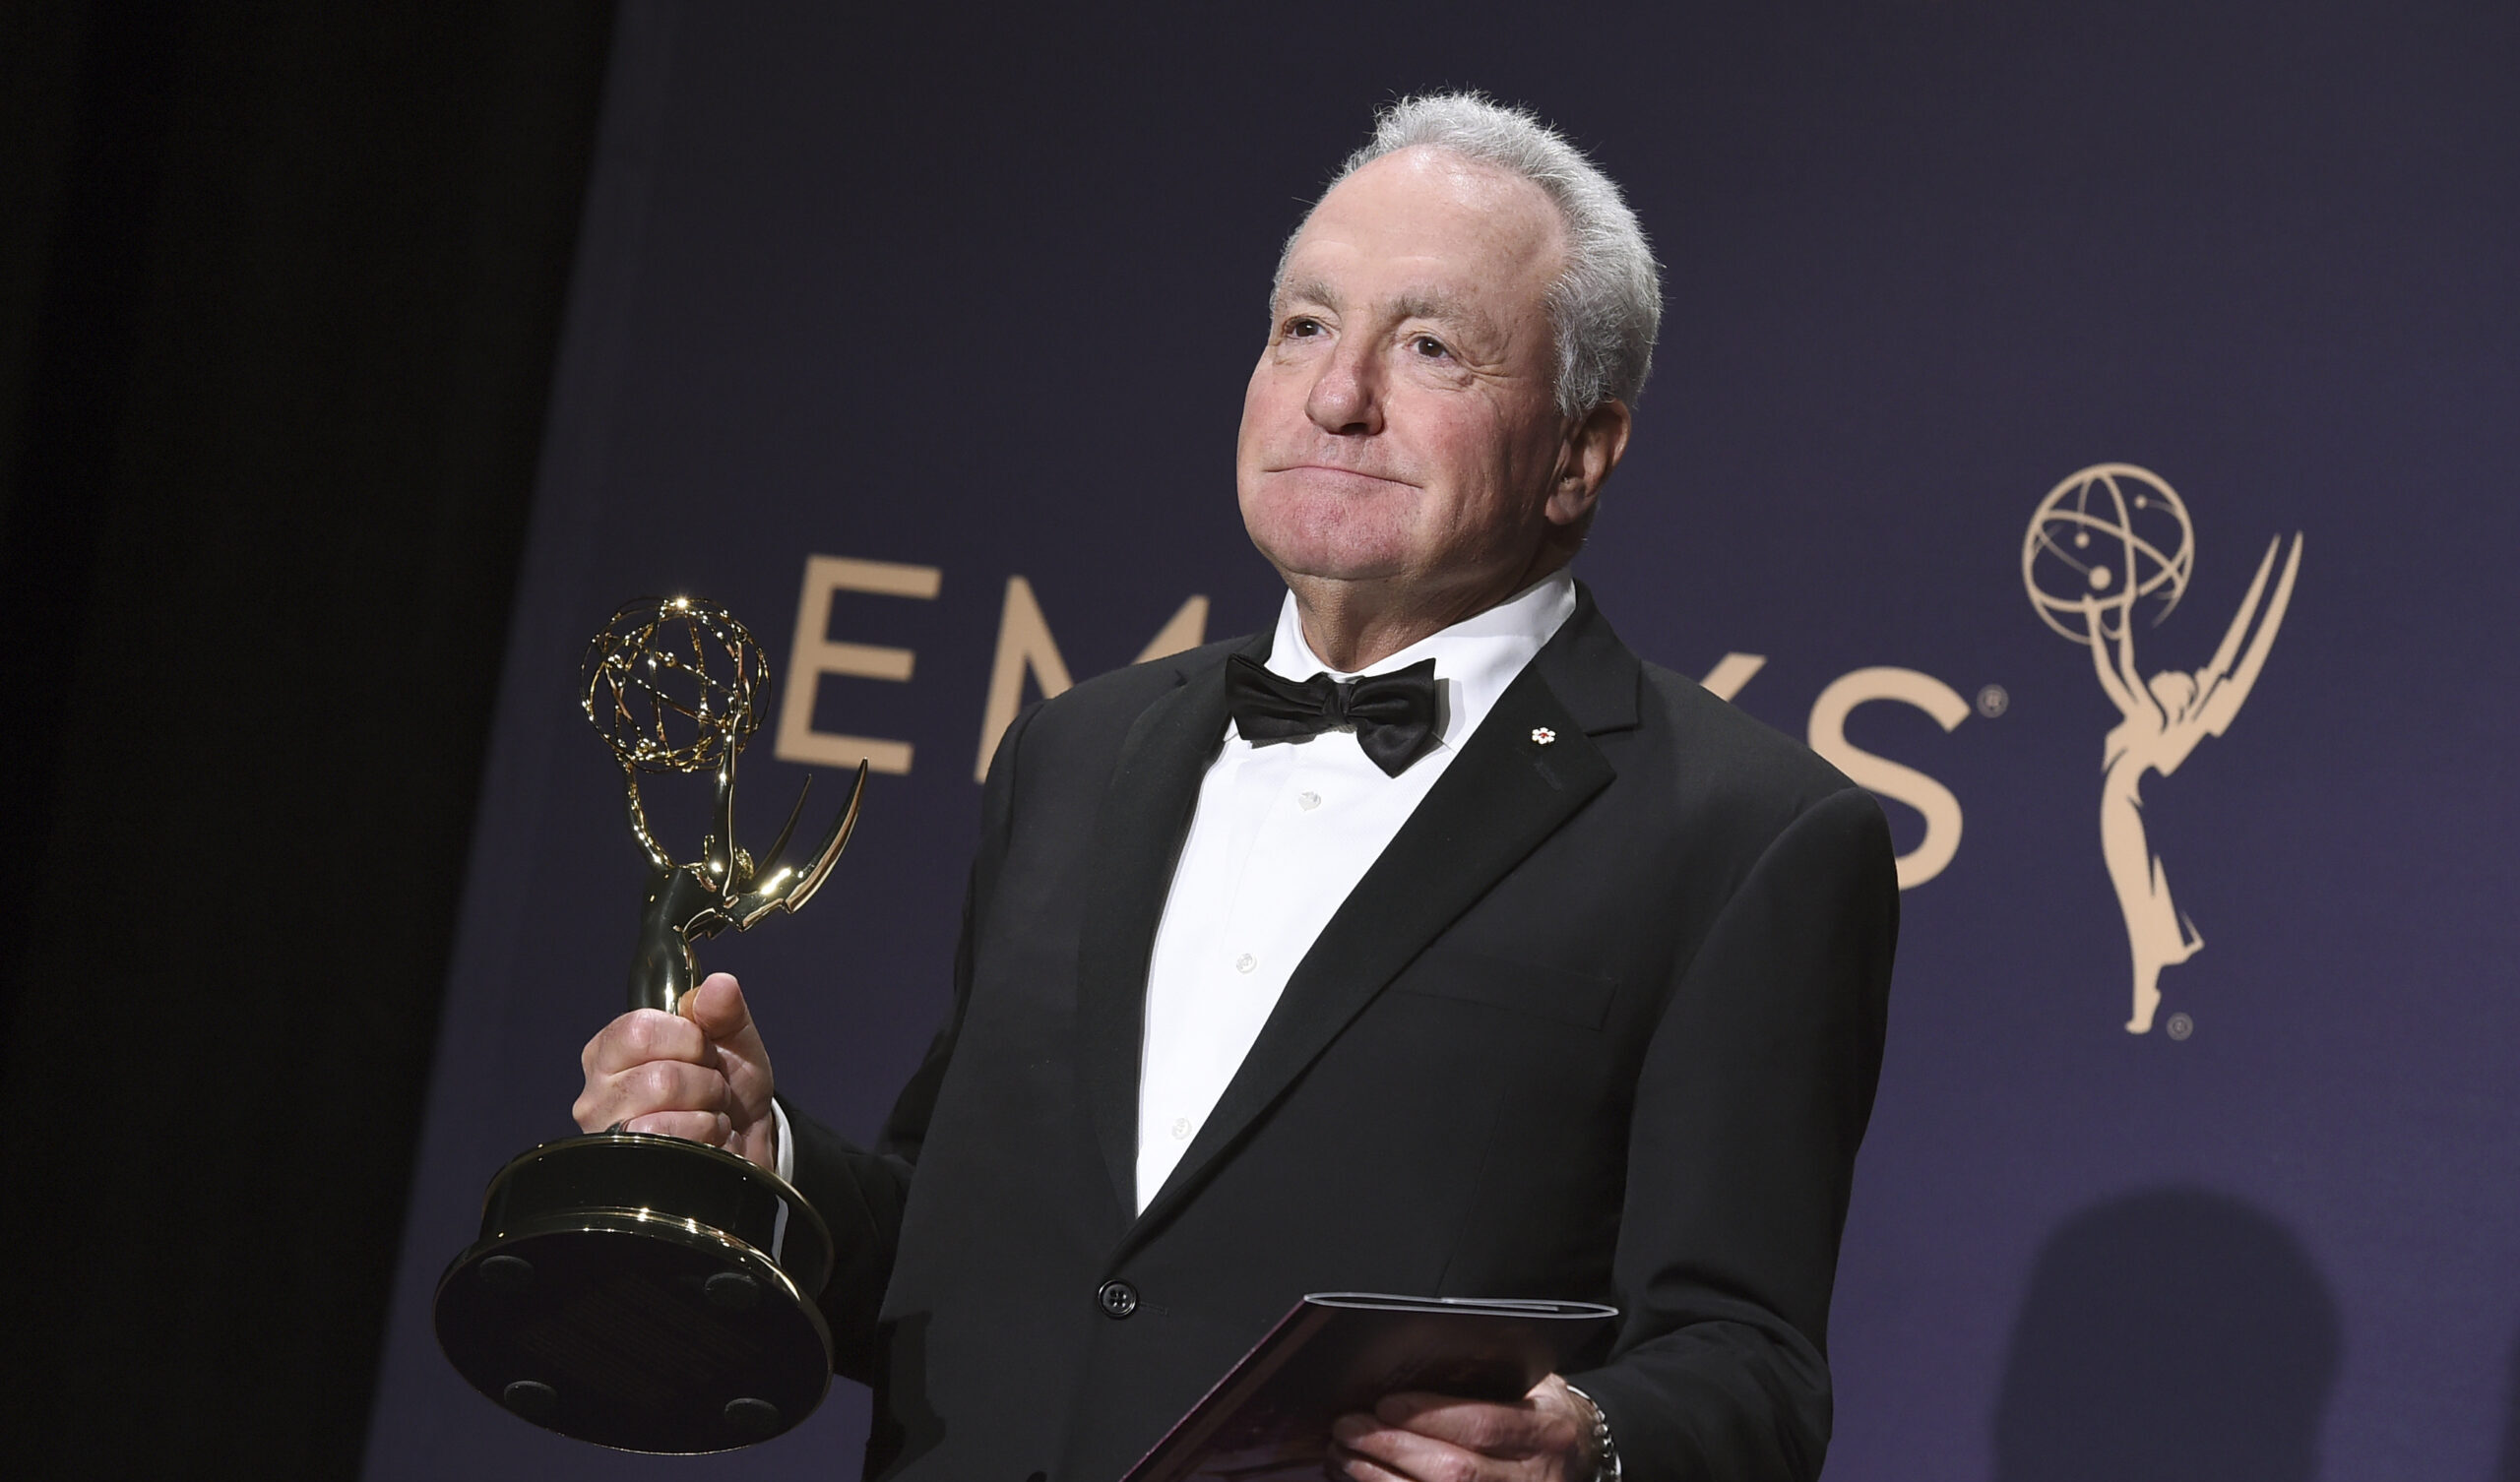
<point>280,291</point>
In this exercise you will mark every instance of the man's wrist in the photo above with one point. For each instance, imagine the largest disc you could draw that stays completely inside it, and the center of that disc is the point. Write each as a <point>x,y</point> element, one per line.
<point>1601,1453</point>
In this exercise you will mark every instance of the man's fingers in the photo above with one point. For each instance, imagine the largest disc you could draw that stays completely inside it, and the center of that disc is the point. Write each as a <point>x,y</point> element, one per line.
<point>712,1127</point>
<point>716,1005</point>
<point>655,1085</point>
<point>642,1036</point>
<point>706,1059</point>
<point>1510,1431</point>
<point>1354,1466</point>
<point>1365,1449</point>
<point>671,1085</point>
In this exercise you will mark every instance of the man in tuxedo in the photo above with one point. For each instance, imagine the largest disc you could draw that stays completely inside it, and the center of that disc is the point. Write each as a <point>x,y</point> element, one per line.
<point>1429,943</point>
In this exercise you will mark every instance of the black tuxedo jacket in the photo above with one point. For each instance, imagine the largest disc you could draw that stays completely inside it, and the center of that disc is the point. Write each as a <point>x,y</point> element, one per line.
<point>1603,1023</point>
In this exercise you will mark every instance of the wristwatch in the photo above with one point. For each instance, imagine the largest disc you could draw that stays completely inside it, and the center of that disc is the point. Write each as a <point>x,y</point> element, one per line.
<point>1597,1444</point>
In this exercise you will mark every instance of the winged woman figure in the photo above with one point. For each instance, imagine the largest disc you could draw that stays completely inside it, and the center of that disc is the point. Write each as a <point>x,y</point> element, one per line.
<point>2166,716</point>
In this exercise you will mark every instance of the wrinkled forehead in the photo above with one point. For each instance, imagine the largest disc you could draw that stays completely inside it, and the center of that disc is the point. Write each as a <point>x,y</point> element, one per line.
<point>1425,225</point>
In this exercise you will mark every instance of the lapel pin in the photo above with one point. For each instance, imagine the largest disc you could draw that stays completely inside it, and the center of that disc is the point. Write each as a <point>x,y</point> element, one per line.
<point>1542,734</point>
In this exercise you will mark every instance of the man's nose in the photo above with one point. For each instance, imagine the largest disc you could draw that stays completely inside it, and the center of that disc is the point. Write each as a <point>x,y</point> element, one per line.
<point>1347,396</point>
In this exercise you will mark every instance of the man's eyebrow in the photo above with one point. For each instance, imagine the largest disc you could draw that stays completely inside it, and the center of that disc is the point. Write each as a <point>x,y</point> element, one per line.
<point>1440,305</point>
<point>1306,290</point>
<point>1428,302</point>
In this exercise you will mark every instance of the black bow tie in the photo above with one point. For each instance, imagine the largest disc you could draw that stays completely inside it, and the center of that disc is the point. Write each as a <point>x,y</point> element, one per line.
<point>1394,714</point>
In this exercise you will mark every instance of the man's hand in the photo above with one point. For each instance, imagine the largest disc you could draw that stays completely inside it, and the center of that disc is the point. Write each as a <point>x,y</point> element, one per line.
<point>699,1074</point>
<point>1543,1437</point>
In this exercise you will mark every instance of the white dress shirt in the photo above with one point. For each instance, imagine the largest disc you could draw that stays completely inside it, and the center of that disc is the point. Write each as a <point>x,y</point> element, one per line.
<point>1282,832</point>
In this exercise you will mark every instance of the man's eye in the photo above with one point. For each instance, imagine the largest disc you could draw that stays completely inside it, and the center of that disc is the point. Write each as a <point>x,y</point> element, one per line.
<point>1429,346</point>
<point>1302,328</point>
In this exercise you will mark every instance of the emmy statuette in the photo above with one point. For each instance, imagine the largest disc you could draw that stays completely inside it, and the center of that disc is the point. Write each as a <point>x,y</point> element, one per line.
<point>644,1292</point>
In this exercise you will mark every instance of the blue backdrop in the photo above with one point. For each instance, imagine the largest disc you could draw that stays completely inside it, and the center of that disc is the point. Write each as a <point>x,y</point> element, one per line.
<point>972,299</point>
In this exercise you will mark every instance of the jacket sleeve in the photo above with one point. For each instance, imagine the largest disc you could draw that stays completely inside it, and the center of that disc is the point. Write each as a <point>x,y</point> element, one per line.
<point>861,1193</point>
<point>1754,1092</point>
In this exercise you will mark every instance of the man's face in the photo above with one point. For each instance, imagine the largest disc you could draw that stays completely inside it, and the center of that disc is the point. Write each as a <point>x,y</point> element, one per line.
<point>1401,428</point>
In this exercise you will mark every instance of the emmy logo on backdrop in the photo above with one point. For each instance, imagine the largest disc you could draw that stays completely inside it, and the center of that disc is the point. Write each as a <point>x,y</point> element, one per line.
<point>640,1291</point>
<point>2106,541</point>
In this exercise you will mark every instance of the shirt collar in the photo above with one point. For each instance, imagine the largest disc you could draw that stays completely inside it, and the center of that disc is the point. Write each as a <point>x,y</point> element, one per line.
<point>1475,658</point>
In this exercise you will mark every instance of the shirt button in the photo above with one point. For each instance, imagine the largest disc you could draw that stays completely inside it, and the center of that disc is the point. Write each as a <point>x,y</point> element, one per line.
<point>1117,1299</point>
<point>1307,801</point>
<point>1245,962</point>
<point>1180,1127</point>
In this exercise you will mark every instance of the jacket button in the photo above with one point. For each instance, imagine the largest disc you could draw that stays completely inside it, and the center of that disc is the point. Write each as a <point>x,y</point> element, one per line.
<point>1117,1299</point>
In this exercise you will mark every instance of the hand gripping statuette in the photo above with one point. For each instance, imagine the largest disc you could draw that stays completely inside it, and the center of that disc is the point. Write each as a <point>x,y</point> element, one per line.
<point>639,1291</point>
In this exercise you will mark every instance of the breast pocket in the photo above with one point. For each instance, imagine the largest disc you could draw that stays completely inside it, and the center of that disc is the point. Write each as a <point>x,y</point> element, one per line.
<point>1559,994</point>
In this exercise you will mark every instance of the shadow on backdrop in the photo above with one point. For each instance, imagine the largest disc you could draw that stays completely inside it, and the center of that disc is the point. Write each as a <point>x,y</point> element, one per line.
<point>2506,1466</point>
<point>2168,1335</point>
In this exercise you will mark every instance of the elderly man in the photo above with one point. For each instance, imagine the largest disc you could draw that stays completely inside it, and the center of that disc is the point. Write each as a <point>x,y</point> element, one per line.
<point>1430,942</point>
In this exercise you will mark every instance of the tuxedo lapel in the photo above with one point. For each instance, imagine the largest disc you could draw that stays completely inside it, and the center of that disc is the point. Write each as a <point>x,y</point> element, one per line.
<point>1137,841</point>
<point>1527,770</point>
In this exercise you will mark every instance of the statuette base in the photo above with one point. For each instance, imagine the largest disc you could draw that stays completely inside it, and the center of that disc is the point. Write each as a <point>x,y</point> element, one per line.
<point>643,1293</point>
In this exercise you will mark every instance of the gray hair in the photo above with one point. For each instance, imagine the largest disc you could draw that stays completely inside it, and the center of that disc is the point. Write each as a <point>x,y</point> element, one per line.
<point>1606,307</point>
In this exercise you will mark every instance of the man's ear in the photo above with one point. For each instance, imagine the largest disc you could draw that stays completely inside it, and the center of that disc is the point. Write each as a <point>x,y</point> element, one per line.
<point>1593,446</point>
